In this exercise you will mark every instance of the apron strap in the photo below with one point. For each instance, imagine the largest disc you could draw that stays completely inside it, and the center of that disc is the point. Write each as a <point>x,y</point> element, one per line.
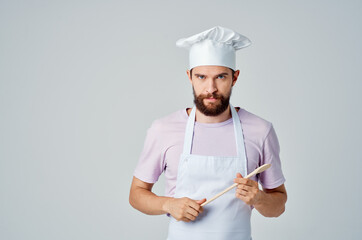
<point>189,133</point>
<point>239,139</point>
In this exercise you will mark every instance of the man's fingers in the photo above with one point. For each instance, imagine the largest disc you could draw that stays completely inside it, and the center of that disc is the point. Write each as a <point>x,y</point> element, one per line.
<point>187,218</point>
<point>190,217</point>
<point>245,187</point>
<point>241,192</point>
<point>244,181</point>
<point>192,212</point>
<point>195,205</point>
<point>188,209</point>
<point>201,201</point>
<point>241,180</point>
<point>184,219</point>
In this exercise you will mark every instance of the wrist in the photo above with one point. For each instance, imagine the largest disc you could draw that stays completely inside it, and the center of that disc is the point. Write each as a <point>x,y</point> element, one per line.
<point>259,199</point>
<point>166,205</point>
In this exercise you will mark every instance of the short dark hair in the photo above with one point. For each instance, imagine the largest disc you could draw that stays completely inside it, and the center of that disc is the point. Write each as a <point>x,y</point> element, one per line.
<point>233,72</point>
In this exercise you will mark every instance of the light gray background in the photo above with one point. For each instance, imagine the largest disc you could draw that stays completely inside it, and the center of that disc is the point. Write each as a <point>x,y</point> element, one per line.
<point>81,81</point>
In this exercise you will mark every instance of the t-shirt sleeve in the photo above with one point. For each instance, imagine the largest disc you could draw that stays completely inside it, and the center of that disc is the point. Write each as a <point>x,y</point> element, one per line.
<point>151,161</point>
<point>273,177</point>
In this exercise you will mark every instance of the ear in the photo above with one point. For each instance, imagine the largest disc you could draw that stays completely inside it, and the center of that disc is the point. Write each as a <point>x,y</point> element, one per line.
<point>188,74</point>
<point>235,77</point>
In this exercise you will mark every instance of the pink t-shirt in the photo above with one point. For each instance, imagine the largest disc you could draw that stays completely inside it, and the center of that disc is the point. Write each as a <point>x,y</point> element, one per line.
<point>164,144</point>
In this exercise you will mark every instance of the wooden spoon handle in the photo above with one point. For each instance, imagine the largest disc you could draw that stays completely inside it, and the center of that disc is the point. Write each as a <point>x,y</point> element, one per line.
<point>232,186</point>
<point>219,194</point>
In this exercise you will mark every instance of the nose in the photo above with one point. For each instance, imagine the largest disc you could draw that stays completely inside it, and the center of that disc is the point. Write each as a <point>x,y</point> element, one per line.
<point>211,86</point>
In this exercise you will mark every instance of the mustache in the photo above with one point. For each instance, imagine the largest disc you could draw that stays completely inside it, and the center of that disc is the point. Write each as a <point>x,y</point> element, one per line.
<point>215,95</point>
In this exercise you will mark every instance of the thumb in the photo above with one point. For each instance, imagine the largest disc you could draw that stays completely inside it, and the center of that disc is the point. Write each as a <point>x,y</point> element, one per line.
<point>238,175</point>
<point>201,201</point>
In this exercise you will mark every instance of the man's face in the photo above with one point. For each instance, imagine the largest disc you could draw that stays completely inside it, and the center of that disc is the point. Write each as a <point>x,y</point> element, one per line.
<point>212,86</point>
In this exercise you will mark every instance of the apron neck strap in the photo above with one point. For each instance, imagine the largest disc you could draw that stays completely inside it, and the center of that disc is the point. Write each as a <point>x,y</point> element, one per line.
<point>189,133</point>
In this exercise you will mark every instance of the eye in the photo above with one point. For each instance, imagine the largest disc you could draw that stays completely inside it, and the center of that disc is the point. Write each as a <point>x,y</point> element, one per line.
<point>221,77</point>
<point>201,77</point>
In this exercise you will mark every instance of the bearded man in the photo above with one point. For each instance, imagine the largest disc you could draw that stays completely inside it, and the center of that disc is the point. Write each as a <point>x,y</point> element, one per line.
<point>204,149</point>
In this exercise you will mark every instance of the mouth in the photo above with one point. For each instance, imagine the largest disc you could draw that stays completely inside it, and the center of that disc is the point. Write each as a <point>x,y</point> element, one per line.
<point>211,99</point>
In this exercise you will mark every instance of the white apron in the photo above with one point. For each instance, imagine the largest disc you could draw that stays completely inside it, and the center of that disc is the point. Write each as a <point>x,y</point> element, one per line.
<point>198,177</point>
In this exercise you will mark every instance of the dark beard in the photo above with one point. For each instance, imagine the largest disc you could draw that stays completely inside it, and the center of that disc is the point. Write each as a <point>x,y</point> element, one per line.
<point>213,109</point>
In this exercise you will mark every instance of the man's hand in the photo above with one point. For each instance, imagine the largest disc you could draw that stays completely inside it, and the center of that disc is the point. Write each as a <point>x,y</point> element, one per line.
<point>184,209</point>
<point>143,199</point>
<point>269,202</point>
<point>247,190</point>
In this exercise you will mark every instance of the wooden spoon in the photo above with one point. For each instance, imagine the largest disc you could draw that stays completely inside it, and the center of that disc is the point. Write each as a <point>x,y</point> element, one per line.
<point>256,171</point>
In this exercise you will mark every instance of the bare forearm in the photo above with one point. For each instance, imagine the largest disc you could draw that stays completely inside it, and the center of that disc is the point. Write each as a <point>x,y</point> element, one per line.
<point>271,204</point>
<point>147,202</point>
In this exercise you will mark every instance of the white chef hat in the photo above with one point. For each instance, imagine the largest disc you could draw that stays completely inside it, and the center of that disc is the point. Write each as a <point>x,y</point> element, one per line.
<point>215,46</point>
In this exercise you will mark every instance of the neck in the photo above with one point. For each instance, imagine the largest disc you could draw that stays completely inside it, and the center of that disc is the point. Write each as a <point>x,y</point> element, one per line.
<point>202,118</point>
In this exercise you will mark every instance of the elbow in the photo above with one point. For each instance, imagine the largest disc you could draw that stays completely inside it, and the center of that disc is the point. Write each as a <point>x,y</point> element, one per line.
<point>280,212</point>
<point>281,209</point>
<point>274,214</point>
<point>131,200</point>
<point>277,207</point>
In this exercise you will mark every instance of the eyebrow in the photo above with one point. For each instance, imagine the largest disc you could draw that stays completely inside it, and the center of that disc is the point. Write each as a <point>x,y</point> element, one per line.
<point>197,74</point>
